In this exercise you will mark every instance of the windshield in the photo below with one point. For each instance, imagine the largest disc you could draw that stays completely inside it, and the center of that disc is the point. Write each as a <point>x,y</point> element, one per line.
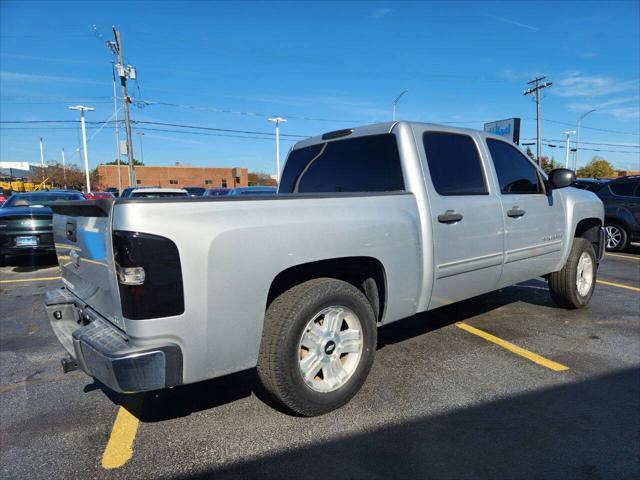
<point>144,194</point>
<point>31,199</point>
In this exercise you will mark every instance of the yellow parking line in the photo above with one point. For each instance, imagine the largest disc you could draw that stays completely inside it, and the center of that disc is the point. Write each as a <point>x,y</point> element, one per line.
<point>622,256</point>
<point>120,445</point>
<point>35,279</point>
<point>619,285</point>
<point>545,362</point>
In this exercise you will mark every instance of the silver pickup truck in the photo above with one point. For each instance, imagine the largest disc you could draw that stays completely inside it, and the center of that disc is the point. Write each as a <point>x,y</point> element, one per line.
<point>370,225</point>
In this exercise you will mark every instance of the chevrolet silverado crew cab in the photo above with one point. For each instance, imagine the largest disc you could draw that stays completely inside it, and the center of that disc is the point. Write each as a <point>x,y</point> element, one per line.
<point>370,225</point>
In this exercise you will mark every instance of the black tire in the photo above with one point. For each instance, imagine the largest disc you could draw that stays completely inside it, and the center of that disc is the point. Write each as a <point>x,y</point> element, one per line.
<point>562,284</point>
<point>286,320</point>
<point>624,236</point>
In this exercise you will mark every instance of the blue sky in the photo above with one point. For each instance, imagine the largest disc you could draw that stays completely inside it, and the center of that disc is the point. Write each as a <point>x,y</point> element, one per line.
<point>325,66</point>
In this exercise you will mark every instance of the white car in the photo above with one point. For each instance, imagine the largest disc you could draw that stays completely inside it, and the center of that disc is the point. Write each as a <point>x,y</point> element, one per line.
<point>158,192</point>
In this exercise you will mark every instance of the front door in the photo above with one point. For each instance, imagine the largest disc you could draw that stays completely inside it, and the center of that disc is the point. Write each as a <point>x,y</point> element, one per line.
<point>534,221</point>
<point>465,217</point>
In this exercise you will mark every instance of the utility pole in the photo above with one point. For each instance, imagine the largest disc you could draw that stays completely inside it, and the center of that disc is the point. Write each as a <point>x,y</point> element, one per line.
<point>115,117</point>
<point>395,103</point>
<point>536,89</point>
<point>277,121</point>
<point>82,109</point>
<point>123,72</point>
<point>576,158</point>
<point>64,169</point>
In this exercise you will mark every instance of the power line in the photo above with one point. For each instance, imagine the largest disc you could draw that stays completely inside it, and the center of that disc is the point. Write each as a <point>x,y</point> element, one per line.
<point>592,128</point>
<point>588,143</point>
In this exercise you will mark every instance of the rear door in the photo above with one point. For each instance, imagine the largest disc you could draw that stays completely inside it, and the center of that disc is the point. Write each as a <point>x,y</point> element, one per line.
<point>465,216</point>
<point>82,235</point>
<point>534,221</point>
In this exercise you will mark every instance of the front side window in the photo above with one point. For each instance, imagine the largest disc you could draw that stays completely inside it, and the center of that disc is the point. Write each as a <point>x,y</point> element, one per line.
<point>515,172</point>
<point>454,164</point>
<point>361,164</point>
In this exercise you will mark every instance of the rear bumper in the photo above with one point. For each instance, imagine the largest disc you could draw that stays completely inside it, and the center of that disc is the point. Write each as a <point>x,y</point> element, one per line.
<point>107,354</point>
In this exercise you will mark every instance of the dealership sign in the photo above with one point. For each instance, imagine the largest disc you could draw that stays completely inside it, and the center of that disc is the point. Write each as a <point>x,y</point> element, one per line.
<point>509,128</point>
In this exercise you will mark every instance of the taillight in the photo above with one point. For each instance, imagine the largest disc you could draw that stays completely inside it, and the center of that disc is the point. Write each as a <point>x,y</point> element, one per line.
<point>149,275</point>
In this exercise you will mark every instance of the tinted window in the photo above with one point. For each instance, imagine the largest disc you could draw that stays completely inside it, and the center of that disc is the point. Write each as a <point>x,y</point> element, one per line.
<point>515,173</point>
<point>364,164</point>
<point>27,199</point>
<point>623,188</point>
<point>158,194</point>
<point>454,164</point>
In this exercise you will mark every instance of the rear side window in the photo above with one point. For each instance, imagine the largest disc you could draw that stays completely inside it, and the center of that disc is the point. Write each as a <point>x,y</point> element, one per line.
<point>362,164</point>
<point>454,164</point>
<point>624,189</point>
<point>515,173</point>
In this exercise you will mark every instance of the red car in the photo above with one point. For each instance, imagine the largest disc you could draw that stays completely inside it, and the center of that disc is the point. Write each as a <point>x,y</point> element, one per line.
<point>98,195</point>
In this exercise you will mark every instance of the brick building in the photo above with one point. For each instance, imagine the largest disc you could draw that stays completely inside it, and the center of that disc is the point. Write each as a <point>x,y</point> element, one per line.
<point>175,177</point>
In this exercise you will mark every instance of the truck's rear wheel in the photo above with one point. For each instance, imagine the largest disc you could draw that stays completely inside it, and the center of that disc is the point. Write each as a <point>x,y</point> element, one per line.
<point>572,287</point>
<point>318,344</point>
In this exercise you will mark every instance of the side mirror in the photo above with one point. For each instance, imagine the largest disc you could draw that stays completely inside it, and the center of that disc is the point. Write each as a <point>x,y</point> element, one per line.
<point>561,177</point>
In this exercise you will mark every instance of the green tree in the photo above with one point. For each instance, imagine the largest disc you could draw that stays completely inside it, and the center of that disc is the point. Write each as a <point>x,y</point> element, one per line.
<point>123,162</point>
<point>530,153</point>
<point>548,165</point>
<point>598,167</point>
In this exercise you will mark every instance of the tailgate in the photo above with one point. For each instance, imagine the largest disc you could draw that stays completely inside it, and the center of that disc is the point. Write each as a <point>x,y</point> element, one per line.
<point>83,240</point>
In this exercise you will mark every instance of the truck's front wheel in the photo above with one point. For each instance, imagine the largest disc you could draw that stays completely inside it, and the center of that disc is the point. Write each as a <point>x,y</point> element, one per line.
<point>318,345</point>
<point>573,286</point>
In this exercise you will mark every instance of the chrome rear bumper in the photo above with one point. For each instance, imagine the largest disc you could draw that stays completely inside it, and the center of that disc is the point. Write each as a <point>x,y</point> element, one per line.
<point>108,354</point>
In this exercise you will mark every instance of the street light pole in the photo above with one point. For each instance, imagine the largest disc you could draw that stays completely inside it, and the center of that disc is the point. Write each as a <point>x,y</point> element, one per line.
<point>575,166</point>
<point>277,121</point>
<point>42,159</point>
<point>395,102</point>
<point>568,133</point>
<point>141,134</point>
<point>64,169</point>
<point>82,109</point>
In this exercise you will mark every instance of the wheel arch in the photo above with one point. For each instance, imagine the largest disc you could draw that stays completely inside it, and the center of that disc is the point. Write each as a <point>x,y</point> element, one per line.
<point>365,273</point>
<point>589,229</point>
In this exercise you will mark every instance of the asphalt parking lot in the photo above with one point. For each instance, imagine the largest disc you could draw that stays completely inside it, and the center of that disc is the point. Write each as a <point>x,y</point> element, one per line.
<point>504,385</point>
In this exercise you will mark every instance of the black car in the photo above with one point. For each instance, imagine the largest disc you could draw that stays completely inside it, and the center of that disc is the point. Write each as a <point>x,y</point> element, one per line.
<point>621,198</point>
<point>26,222</point>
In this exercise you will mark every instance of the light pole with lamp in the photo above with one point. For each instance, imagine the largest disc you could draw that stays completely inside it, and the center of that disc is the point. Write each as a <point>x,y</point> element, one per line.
<point>568,133</point>
<point>277,121</point>
<point>140,135</point>
<point>395,102</point>
<point>575,163</point>
<point>82,109</point>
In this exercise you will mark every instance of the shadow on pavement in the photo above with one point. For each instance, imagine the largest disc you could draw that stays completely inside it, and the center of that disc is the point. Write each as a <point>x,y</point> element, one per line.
<point>184,400</point>
<point>30,263</point>
<point>588,430</point>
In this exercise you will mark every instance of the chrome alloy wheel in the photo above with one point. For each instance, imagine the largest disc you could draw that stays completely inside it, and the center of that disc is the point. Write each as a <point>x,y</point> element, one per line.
<point>330,349</point>
<point>584,276</point>
<point>614,236</point>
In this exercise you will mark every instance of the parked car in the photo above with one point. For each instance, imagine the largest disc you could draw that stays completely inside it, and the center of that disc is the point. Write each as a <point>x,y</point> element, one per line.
<point>195,191</point>
<point>126,193</point>
<point>253,191</point>
<point>3,196</point>
<point>591,184</point>
<point>621,198</point>
<point>375,224</point>
<point>113,190</point>
<point>216,192</point>
<point>158,193</point>
<point>25,222</point>
<point>98,195</point>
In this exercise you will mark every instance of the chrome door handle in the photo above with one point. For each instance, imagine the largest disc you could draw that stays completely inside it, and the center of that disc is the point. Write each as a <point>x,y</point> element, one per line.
<point>449,217</point>
<point>515,212</point>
